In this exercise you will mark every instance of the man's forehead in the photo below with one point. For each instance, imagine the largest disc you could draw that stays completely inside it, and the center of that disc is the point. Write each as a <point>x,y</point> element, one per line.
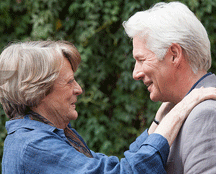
<point>138,44</point>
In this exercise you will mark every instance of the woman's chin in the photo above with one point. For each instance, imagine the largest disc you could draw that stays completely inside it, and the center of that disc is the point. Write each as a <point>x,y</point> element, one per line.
<point>74,115</point>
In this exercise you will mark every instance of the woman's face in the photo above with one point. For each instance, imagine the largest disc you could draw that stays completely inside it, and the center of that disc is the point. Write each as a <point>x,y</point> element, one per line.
<point>59,104</point>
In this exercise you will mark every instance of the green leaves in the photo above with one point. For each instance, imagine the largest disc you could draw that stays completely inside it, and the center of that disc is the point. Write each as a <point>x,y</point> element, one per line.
<point>114,109</point>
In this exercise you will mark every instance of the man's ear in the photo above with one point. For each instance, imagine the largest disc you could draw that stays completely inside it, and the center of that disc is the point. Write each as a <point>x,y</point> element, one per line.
<point>176,51</point>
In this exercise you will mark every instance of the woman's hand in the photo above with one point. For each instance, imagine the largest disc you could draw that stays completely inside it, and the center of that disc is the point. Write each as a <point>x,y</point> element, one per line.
<point>163,110</point>
<point>161,113</point>
<point>172,122</point>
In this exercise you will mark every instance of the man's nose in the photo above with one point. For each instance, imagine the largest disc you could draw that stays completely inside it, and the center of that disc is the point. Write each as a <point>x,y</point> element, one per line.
<point>138,74</point>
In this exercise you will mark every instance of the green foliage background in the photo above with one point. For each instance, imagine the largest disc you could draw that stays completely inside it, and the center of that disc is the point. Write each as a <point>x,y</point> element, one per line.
<point>114,109</point>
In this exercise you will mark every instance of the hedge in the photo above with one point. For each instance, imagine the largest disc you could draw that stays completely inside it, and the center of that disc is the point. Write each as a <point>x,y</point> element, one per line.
<point>114,109</point>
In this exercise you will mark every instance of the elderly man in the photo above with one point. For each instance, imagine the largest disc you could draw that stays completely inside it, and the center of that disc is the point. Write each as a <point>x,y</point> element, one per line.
<point>172,53</point>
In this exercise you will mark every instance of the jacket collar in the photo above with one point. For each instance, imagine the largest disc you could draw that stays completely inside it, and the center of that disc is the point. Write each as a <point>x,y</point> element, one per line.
<point>204,81</point>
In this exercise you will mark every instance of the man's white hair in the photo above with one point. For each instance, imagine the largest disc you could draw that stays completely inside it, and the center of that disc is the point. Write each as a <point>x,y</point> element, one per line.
<point>167,23</point>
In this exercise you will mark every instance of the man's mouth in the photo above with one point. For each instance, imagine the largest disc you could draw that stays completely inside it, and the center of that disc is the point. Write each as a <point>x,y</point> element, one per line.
<point>148,84</point>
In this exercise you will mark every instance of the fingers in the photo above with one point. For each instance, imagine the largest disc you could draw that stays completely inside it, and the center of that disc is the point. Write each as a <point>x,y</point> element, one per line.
<point>201,94</point>
<point>209,93</point>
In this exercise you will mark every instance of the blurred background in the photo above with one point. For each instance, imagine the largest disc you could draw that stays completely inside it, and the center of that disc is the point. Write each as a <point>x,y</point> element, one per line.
<point>114,109</point>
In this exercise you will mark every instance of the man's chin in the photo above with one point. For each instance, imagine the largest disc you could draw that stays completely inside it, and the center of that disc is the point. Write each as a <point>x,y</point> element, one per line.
<point>155,98</point>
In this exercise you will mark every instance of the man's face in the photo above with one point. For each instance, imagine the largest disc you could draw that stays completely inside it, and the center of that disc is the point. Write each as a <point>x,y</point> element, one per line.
<point>157,75</point>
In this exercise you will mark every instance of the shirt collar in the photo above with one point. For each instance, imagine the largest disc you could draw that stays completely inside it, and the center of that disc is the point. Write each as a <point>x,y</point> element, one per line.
<point>199,81</point>
<point>13,125</point>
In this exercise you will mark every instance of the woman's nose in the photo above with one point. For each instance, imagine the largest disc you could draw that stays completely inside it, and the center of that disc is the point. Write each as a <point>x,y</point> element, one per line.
<point>77,89</point>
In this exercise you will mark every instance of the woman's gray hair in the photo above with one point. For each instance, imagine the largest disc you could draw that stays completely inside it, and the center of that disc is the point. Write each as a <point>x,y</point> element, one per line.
<point>28,71</point>
<point>167,23</point>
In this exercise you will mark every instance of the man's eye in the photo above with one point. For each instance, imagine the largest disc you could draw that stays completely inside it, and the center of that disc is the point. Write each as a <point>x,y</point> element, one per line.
<point>141,60</point>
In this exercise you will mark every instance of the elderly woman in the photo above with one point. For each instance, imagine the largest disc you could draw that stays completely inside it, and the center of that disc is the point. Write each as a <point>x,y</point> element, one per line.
<point>39,92</point>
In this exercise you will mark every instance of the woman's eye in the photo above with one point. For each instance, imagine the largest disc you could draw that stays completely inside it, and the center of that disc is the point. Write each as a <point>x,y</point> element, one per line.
<point>70,81</point>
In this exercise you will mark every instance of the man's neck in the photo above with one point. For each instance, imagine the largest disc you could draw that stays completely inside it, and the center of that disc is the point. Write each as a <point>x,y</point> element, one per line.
<point>185,83</point>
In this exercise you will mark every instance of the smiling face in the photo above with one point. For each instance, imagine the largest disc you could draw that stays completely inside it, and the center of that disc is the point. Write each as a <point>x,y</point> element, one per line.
<point>59,105</point>
<point>157,75</point>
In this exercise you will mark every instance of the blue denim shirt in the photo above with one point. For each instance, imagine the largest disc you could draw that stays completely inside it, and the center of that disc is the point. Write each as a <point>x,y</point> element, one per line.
<point>35,147</point>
